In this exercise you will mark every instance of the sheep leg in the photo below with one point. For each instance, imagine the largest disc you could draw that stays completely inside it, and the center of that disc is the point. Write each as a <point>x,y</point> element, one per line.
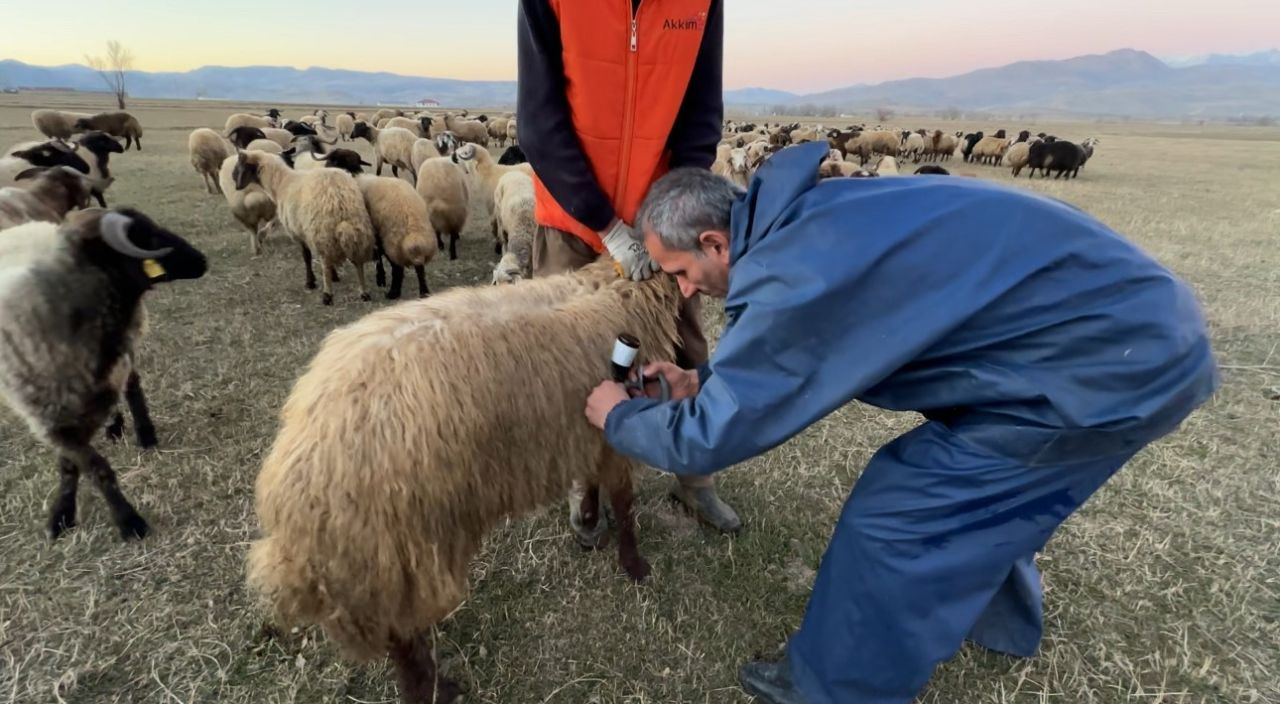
<point>439,240</point>
<point>379,272</point>
<point>311,274</point>
<point>453,245</point>
<point>326,297</point>
<point>616,479</point>
<point>102,202</point>
<point>364,285</point>
<point>416,672</point>
<point>62,516</point>
<point>115,431</point>
<point>142,425</point>
<point>421,271</point>
<point>397,280</point>
<point>131,525</point>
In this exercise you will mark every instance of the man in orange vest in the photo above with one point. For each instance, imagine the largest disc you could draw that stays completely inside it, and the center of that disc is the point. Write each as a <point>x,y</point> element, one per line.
<point>611,96</point>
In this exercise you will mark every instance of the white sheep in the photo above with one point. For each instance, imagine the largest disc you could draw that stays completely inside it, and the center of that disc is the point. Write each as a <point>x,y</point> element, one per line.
<point>265,145</point>
<point>472,131</point>
<point>735,168</point>
<point>401,228</point>
<point>43,194</point>
<point>485,171</point>
<point>443,187</point>
<point>514,227</point>
<point>498,130</point>
<point>208,150</point>
<point>512,131</point>
<point>346,122</point>
<point>57,124</point>
<point>423,149</point>
<point>392,145</point>
<point>242,119</point>
<point>887,166</point>
<point>913,147</point>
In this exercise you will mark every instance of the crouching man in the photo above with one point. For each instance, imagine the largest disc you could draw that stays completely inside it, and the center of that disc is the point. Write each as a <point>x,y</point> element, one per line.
<point>1042,349</point>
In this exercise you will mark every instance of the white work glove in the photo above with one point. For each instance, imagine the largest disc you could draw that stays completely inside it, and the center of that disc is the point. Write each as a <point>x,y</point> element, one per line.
<point>627,251</point>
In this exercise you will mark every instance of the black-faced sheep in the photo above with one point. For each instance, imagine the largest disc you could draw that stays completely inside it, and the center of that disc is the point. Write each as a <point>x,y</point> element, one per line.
<point>244,135</point>
<point>1063,157</point>
<point>70,315</point>
<point>322,209</point>
<point>99,147</point>
<point>375,496</point>
<point>51,153</point>
<point>513,155</point>
<point>116,124</point>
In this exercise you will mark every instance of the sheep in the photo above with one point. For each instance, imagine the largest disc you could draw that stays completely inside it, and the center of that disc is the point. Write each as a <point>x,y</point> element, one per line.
<point>1017,156</point>
<point>282,137</point>
<point>513,227</point>
<point>734,168</point>
<point>513,155</point>
<point>839,138</point>
<point>346,160</point>
<point>485,171</point>
<point>265,145</point>
<point>393,145</point>
<point>969,141</point>
<point>52,153</point>
<point>43,194</point>
<point>757,152</point>
<point>511,131</point>
<point>250,206</point>
<point>346,122</point>
<point>887,166</point>
<point>865,144</point>
<point>423,149</point>
<point>447,143</point>
<point>498,130</point>
<point>989,150</point>
<point>116,124</point>
<point>443,187</point>
<point>1087,145</point>
<point>56,124</point>
<point>322,209</point>
<point>298,129</point>
<point>383,114</point>
<point>208,150</point>
<point>1062,156</point>
<point>806,134</point>
<point>376,495</point>
<point>913,147</point>
<point>940,145</point>
<point>472,131</point>
<point>420,127</point>
<point>310,153</point>
<point>241,119</point>
<point>401,229</point>
<point>70,317</point>
<point>931,170</point>
<point>99,146</point>
<point>832,168</point>
<point>242,136</point>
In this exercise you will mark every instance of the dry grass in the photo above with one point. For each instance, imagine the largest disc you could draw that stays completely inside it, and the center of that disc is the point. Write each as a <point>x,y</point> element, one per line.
<point>1166,588</point>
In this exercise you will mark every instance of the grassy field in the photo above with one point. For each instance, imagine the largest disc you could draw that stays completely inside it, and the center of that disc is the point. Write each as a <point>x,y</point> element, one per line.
<point>1165,588</point>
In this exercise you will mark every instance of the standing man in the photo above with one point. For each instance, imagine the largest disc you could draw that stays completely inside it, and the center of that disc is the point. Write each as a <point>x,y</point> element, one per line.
<point>1042,349</point>
<point>612,94</point>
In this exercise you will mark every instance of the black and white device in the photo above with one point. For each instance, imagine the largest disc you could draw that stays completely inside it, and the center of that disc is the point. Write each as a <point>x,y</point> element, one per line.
<point>625,349</point>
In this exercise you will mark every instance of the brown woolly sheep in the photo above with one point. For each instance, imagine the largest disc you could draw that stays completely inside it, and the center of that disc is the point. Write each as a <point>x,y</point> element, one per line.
<point>865,144</point>
<point>376,496</point>
<point>43,194</point>
<point>116,124</point>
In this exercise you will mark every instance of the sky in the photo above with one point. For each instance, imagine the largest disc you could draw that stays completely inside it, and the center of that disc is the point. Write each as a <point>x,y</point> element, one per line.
<point>802,46</point>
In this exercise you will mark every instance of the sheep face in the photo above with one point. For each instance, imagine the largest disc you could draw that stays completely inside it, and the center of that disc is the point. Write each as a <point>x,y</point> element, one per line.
<point>299,129</point>
<point>136,244</point>
<point>361,130</point>
<point>347,160</point>
<point>738,160</point>
<point>54,154</point>
<point>83,124</point>
<point>425,124</point>
<point>100,143</point>
<point>246,172</point>
<point>242,136</point>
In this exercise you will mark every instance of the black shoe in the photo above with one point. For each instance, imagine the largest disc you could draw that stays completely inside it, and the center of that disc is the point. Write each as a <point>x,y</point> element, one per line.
<point>770,682</point>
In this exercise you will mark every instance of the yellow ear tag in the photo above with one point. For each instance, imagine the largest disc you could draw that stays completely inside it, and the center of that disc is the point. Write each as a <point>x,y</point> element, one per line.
<point>618,268</point>
<point>152,268</point>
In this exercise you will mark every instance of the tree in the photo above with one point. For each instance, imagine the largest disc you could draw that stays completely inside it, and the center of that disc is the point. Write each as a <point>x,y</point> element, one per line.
<point>883,114</point>
<point>112,68</point>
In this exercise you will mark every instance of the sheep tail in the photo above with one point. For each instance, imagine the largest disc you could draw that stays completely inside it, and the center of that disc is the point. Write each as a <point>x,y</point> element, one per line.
<point>418,250</point>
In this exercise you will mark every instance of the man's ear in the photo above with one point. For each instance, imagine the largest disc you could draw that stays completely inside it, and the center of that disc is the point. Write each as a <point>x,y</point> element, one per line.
<point>714,242</point>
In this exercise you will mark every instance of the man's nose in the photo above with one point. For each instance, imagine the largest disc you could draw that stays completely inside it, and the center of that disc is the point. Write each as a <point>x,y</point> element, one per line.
<point>687,289</point>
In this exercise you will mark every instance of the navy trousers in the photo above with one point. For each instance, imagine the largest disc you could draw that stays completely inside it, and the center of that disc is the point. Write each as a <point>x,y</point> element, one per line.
<point>936,545</point>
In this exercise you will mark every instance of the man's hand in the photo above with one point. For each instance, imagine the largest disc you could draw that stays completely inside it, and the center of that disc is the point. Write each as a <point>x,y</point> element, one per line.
<point>602,400</point>
<point>627,251</point>
<point>683,382</point>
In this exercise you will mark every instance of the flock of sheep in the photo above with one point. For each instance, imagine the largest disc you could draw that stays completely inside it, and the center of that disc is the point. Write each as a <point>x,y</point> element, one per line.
<point>861,152</point>
<point>386,474</point>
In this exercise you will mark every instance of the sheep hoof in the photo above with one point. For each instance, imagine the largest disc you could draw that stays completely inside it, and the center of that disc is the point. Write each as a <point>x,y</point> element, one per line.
<point>62,519</point>
<point>146,437</point>
<point>366,297</point>
<point>115,431</point>
<point>392,295</point>
<point>326,299</point>
<point>311,285</point>
<point>133,527</point>
<point>637,568</point>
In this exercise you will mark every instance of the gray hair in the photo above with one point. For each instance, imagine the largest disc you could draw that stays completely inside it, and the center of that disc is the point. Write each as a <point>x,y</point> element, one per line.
<point>685,203</point>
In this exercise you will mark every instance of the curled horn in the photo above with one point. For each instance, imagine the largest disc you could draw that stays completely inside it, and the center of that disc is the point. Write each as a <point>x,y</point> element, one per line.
<point>115,232</point>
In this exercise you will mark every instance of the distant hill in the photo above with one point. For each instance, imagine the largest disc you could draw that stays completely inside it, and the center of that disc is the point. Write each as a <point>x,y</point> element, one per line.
<point>1126,82</point>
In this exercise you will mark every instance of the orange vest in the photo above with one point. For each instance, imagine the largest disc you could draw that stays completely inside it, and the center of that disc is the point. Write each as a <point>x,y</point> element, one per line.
<point>625,80</point>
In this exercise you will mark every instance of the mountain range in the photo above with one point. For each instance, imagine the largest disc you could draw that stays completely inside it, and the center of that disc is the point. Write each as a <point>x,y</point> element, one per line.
<point>1125,82</point>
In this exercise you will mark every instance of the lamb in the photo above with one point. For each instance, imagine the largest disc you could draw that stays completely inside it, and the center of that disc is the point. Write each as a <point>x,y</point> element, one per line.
<point>116,124</point>
<point>498,130</point>
<point>393,145</point>
<point>99,146</point>
<point>423,149</point>
<point>56,124</point>
<point>346,122</point>
<point>443,187</point>
<point>52,153</point>
<point>376,496</point>
<point>486,171</point>
<point>250,206</point>
<point>866,144</point>
<point>401,228</point>
<point>734,168</point>
<point>43,194</point>
<point>241,119</point>
<point>70,316</point>
<point>513,227</point>
<point>472,131</point>
<point>322,209</point>
<point>208,150</point>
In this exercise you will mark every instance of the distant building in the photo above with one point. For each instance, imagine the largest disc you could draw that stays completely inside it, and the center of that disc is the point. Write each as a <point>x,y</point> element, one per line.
<point>428,103</point>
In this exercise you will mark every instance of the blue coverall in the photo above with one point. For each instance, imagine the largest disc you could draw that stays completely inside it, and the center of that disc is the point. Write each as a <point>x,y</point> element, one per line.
<point>1042,348</point>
